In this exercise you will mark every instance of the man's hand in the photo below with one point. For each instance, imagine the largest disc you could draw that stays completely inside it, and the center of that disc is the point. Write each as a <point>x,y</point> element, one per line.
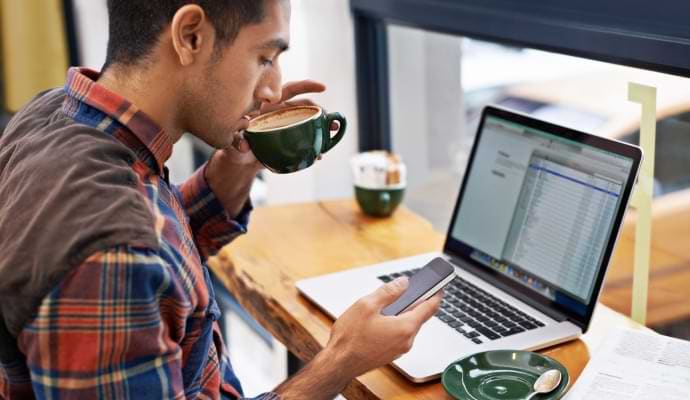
<point>364,339</point>
<point>231,171</point>
<point>361,339</point>
<point>240,151</point>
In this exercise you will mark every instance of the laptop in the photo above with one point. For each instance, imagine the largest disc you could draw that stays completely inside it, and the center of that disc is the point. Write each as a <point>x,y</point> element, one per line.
<point>531,235</point>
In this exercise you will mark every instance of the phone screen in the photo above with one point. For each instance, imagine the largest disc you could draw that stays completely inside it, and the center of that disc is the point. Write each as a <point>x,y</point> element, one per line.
<point>421,283</point>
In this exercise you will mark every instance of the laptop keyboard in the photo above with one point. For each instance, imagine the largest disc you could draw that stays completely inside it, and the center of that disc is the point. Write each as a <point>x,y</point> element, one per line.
<point>476,314</point>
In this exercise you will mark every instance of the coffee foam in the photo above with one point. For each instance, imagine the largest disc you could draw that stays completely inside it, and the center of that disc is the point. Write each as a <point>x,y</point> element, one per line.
<point>281,119</point>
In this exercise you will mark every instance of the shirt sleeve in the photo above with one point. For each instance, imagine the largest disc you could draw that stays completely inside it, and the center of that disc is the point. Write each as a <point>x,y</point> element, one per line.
<point>212,227</point>
<point>110,329</point>
<point>116,327</point>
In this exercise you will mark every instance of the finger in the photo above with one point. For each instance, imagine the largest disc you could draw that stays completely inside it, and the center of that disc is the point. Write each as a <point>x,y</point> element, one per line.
<point>244,146</point>
<point>335,125</point>
<point>425,310</point>
<point>292,89</point>
<point>388,293</point>
<point>239,143</point>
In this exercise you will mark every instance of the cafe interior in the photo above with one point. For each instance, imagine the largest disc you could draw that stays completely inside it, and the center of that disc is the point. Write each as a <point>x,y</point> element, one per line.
<point>414,78</point>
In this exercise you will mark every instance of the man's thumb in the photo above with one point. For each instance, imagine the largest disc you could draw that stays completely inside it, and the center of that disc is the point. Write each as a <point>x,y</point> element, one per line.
<point>390,292</point>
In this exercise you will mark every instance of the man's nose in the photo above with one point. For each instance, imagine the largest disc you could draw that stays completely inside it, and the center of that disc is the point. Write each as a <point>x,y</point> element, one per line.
<point>271,90</point>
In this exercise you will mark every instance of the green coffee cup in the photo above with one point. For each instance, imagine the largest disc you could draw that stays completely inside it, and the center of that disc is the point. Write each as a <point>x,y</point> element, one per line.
<point>291,139</point>
<point>379,202</point>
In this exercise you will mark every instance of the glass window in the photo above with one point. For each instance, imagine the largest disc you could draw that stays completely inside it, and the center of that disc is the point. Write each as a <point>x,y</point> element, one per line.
<point>439,85</point>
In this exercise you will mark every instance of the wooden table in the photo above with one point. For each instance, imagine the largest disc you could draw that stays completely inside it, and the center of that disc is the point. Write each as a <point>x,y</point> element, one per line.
<point>288,243</point>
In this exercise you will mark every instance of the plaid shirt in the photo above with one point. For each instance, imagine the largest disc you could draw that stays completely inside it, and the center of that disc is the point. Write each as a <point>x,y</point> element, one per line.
<point>135,322</point>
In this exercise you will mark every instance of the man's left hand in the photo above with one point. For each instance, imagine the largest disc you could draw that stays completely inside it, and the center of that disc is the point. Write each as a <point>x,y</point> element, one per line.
<point>231,171</point>
<point>239,152</point>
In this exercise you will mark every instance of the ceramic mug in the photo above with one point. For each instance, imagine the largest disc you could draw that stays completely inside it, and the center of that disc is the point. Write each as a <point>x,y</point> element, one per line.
<point>291,139</point>
<point>380,202</point>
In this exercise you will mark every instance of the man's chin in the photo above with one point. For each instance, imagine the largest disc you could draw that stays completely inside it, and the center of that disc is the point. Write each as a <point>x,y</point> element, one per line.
<point>217,144</point>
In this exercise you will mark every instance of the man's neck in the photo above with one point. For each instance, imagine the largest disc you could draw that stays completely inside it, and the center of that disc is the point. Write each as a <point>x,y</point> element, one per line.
<point>150,90</point>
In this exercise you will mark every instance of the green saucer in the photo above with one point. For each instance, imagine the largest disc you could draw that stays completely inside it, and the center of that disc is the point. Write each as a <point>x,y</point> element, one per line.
<point>501,375</point>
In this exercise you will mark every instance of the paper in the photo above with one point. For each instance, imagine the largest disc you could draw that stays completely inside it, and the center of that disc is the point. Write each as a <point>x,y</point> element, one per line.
<point>636,365</point>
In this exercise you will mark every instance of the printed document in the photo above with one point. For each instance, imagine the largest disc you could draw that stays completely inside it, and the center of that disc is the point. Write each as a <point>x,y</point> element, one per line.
<point>636,365</point>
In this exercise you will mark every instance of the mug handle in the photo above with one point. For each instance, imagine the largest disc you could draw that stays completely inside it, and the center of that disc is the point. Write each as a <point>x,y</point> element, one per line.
<point>333,140</point>
<point>385,198</point>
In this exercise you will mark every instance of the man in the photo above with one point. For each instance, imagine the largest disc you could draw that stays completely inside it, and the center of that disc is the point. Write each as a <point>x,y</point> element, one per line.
<point>104,290</point>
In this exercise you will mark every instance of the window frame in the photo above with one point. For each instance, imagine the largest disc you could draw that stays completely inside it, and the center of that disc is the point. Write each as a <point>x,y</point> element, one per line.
<point>604,31</point>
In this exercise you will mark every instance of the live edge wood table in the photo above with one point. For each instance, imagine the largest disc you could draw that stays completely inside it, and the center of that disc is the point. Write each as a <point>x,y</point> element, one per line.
<point>291,242</point>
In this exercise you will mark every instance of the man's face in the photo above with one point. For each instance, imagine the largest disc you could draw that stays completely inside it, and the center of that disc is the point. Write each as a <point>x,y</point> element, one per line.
<point>239,79</point>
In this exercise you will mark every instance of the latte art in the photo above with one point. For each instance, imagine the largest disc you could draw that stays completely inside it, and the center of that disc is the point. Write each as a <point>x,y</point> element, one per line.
<point>282,119</point>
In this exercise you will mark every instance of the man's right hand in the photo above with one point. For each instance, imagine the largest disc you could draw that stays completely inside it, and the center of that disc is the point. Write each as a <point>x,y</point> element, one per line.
<point>363,339</point>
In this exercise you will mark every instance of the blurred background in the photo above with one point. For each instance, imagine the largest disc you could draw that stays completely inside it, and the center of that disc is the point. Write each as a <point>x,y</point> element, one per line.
<point>437,86</point>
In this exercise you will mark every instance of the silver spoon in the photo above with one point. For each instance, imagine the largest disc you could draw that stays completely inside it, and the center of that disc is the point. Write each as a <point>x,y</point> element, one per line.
<point>546,382</point>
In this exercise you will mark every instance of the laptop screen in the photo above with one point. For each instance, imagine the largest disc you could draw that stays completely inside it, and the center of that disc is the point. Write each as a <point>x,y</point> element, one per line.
<point>539,208</point>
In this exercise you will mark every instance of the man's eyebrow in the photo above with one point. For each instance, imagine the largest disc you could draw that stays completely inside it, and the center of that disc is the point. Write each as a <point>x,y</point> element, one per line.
<point>278,44</point>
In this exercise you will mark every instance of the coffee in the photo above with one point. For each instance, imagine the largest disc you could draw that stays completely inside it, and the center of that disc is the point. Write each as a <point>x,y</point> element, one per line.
<point>282,119</point>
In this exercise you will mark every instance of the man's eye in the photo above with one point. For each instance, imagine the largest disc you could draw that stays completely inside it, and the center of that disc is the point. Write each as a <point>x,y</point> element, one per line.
<point>266,62</point>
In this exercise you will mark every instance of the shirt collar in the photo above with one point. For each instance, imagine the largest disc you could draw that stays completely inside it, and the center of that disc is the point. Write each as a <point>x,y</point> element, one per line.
<point>81,87</point>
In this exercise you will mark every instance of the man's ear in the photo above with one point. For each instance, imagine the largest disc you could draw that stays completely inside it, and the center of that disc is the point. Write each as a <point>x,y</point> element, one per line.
<point>188,32</point>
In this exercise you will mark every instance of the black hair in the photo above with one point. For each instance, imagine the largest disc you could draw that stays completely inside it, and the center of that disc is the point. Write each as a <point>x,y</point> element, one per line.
<point>135,25</point>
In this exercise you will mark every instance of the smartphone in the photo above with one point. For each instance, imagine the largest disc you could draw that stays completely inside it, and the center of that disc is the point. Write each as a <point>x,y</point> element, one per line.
<point>423,284</point>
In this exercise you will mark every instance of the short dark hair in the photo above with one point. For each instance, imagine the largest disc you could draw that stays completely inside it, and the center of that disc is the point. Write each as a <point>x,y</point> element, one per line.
<point>135,25</point>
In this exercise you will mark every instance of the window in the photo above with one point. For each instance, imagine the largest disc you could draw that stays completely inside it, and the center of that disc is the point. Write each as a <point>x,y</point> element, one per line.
<point>426,70</point>
<point>439,83</point>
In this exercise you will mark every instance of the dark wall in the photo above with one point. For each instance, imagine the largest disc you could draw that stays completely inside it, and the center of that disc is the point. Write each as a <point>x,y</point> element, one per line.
<point>649,34</point>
